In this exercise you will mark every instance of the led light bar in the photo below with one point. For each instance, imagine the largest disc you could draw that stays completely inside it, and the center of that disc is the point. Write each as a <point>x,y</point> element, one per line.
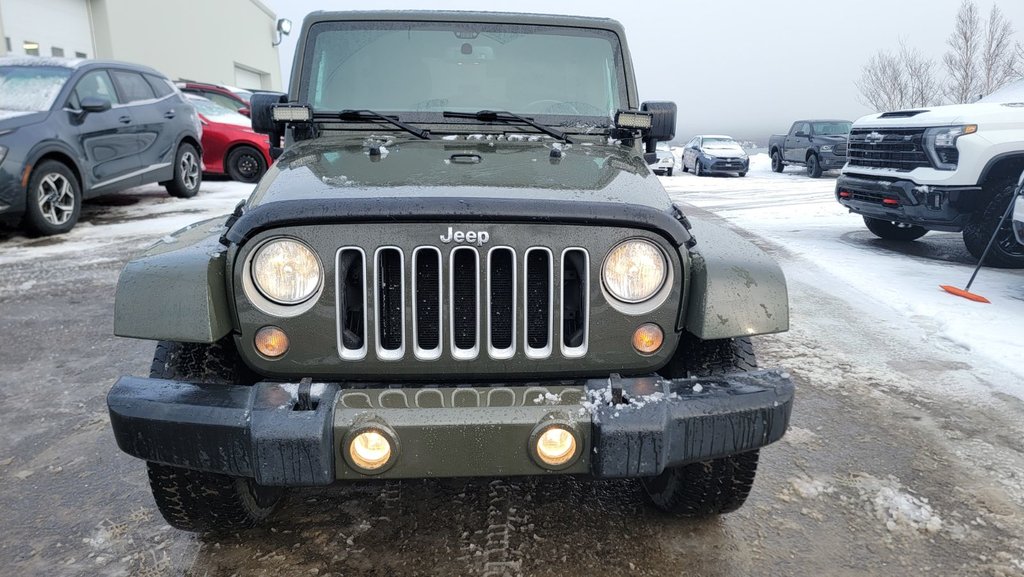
<point>633,119</point>
<point>292,113</point>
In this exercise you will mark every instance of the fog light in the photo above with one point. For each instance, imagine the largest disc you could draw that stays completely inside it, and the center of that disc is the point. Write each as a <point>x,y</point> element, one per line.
<point>370,450</point>
<point>648,338</point>
<point>271,342</point>
<point>556,445</point>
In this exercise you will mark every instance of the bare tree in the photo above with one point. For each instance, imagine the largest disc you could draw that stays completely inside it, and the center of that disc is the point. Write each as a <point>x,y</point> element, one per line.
<point>962,57</point>
<point>897,81</point>
<point>1000,53</point>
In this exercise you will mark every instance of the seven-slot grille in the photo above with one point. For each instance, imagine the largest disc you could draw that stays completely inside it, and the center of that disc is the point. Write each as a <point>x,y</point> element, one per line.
<point>895,148</point>
<point>465,302</point>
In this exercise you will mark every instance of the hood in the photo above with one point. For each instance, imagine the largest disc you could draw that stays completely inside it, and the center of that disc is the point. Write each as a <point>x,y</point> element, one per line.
<point>342,167</point>
<point>724,151</point>
<point>833,137</point>
<point>12,119</point>
<point>977,113</point>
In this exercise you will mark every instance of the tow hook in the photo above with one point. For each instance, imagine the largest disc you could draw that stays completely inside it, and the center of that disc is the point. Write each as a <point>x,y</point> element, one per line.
<point>305,402</point>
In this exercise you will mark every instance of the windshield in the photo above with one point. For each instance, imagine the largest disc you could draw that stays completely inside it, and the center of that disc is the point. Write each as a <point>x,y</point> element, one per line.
<point>831,128</point>
<point>420,69</point>
<point>30,88</point>
<point>216,113</point>
<point>718,142</point>
<point>1008,94</point>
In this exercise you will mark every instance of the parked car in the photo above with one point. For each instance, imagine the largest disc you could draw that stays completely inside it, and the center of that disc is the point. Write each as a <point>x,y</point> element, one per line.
<point>229,97</point>
<point>715,154</point>
<point>666,162</point>
<point>398,303</point>
<point>817,144</point>
<point>75,129</point>
<point>230,146</point>
<point>947,168</point>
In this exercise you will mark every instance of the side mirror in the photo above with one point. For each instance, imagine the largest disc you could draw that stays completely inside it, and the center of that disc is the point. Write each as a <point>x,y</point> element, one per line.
<point>801,134</point>
<point>244,111</point>
<point>663,125</point>
<point>95,104</point>
<point>261,111</point>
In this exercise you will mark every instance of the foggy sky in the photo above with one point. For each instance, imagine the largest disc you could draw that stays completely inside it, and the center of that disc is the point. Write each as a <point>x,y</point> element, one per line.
<point>744,68</point>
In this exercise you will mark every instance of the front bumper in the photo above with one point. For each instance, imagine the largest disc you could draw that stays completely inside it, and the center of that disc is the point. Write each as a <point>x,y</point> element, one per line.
<point>942,208</point>
<point>624,427</point>
<point>725,165</point>
<point>831,161</point>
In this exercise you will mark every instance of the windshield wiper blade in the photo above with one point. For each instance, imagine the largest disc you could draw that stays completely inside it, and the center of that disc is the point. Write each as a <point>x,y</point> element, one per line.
<point>352,115</point>
<point>504,116</point>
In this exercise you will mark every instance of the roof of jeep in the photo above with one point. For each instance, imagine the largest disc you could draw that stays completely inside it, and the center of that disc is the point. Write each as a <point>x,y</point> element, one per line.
<point>460,16</point>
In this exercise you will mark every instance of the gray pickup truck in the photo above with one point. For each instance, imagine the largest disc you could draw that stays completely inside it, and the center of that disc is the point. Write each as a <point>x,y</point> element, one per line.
<point>817,144</point>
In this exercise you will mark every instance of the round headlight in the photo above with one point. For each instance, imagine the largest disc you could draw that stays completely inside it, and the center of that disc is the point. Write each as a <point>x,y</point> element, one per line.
<point>286,271</point>
<point>634,271</point>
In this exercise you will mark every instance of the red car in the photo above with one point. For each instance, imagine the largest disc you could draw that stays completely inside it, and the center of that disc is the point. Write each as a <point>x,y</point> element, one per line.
<point>229,144</point>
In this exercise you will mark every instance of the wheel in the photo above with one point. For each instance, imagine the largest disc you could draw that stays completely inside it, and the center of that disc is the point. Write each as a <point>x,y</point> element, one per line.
<point>54,200</point>
<point>890,230</point>
<point>720,485</point>
<point>245,164</point>
<point>668,172</point>
<point>742,174</point>
<point>1006,252</point>
<point>777,164</point>
<point>697,170</point>
<point>684,165</point>
<point>813,166</point>
<point>196,500</point>
<point>188,173</point>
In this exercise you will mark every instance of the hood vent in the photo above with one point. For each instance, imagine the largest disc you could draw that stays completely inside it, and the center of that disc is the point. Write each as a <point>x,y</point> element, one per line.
<point>903,113</point>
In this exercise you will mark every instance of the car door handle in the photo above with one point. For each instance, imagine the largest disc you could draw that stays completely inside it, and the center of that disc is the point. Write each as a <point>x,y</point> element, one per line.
<point>125,120</point>
<point>169,114</point>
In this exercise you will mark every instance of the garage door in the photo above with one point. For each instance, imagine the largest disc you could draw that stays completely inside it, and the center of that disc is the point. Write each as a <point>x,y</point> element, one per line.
<point>245,78</point>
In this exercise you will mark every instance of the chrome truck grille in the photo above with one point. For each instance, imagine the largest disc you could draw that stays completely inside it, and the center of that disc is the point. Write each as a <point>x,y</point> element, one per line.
<point>481,314</point>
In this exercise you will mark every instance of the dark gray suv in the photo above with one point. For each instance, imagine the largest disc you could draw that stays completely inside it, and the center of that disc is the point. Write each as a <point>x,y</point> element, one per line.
<point>75,129</point>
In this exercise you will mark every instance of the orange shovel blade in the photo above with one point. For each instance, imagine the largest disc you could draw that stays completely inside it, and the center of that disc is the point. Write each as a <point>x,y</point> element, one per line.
<point>962,293</point>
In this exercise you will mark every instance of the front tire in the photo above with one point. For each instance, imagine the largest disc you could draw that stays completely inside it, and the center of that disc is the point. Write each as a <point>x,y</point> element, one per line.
<point>668,172</point>
<point>777,164</point>
<point>199,501</point>
<point>188,173</point>
<point>246,164</point>
<point>716,486</point>
<point>890,230</point>
<point>697,170</point>
<point>1006,252</point>
<point>742,174</point>
<point>54,200</point>
<point>813,166</point>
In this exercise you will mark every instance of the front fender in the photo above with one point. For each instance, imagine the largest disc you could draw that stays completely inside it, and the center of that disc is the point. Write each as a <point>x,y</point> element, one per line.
<point>176,291</point>
<point>736,290</point>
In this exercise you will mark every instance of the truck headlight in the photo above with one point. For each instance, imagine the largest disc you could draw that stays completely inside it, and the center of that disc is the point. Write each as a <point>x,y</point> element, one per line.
<point>634,271</point>
<point>940,143</point>
<point>286,271</point>
<point>827,148</point>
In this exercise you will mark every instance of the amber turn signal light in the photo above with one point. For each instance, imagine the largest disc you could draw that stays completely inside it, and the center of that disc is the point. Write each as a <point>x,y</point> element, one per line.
<point>271,342</point>
<point>648,338</point>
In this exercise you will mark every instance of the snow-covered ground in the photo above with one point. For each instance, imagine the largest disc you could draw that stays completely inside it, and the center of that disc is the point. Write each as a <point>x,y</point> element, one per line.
<point>898,282</point>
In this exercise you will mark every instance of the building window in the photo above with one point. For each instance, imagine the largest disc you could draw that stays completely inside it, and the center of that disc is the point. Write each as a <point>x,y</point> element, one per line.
<point>80,55</point>
<point>30,48</point>
<point>58,52</point>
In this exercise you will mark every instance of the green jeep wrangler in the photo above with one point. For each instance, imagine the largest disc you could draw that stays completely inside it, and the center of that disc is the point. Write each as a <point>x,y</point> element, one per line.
<point>459,265</point>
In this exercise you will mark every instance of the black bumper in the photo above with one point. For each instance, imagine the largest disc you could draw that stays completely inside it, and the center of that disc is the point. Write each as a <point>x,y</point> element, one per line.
<point>628,427</point>
<point>830,161</point>
<point>930,207</point>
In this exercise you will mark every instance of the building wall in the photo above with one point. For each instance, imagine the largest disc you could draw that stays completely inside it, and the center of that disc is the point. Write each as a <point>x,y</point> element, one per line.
<point>60,24</point>
<point>223,41</point>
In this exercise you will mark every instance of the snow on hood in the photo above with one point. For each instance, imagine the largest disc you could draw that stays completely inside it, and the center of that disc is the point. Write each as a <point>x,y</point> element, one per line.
<point>976,113</point>
<point>724,150</point>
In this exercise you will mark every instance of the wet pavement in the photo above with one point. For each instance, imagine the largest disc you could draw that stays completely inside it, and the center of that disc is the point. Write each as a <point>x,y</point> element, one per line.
<point>903,459</point>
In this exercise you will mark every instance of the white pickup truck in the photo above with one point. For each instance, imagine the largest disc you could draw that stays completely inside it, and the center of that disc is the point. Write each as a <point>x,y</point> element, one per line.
<point>948,168</point>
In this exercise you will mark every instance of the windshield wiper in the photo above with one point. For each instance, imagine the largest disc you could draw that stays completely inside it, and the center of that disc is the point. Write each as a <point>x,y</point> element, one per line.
<point>356,115</point>
<point>508,117</point>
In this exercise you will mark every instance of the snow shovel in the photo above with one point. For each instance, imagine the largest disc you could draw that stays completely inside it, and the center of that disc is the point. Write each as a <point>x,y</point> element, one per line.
<point>965,292</point>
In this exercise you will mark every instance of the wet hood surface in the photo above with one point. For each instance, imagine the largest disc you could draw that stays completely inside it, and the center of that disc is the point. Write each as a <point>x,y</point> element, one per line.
<point>344,168</point>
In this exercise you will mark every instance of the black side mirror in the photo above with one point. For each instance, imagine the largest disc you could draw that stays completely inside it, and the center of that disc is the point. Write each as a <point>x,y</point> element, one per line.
<point>663,125</point>
<point>95,104</point>
<point>261,110</point>
<point>801,134</point>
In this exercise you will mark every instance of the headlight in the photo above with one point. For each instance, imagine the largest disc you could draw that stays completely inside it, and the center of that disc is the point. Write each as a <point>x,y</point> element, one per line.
<point>286,271</point>
<point>826,148</point>
<point>634,271</point>
<point>940,143</point>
